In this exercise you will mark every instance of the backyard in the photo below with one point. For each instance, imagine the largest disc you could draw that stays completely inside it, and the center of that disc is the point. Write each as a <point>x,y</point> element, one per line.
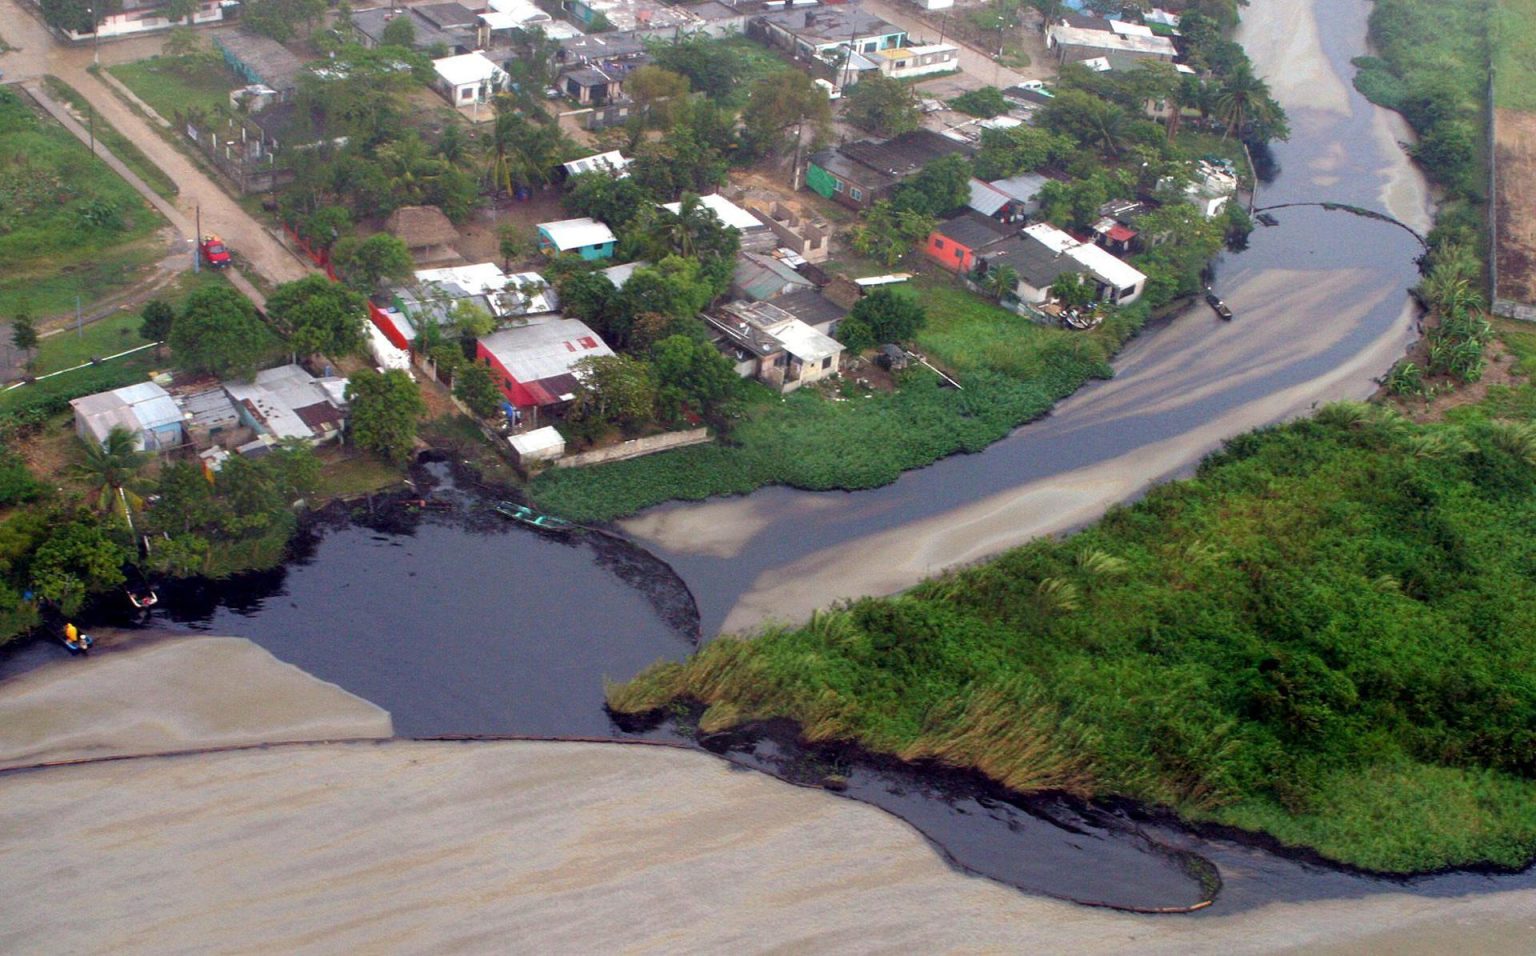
<point>169,84</point>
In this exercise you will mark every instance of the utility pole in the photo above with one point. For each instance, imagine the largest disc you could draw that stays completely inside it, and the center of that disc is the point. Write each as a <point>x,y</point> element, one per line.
<point>197,244</point>
<point>79,318</point>
<point>91,114</point>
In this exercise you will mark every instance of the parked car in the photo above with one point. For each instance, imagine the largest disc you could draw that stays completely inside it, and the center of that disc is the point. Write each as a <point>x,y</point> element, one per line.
<point>215,254</point>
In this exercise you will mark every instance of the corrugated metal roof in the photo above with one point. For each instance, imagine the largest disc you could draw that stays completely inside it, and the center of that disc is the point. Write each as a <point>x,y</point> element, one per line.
<point>726,211</point>
<point>546,349</point>
<point>986,199</point>
<point>568,234</point>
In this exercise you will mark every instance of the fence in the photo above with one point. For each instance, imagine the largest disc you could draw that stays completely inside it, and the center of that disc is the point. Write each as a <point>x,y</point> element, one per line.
<point>240,150</point>
<point>635,448</point>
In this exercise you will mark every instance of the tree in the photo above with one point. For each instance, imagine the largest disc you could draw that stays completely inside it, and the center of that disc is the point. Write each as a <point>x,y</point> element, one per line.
<point>474,386</point>
<point>1087,119</point>
<point>511,243</point>
<point>1073,290</point>
<point>155,321</point>
<point>23,332</point>
<point>399,32</point>
<point>178,10</point>
<point>887,233</point>
<point>1001,281</point>
<point>614,389</point>
<point>382,413</point>
<point>986,102</point>
<point>1244,99</point>
<point>882,106</point>
<point>891,316</point>
<point>591,297</point>
<point>77,559</point>
<point>182,41</point>
<point>324,227</point>
<point>470,319</point>
<point>364,263</point>
<point>656,91</point>
<point>519,152</point>
<point>617,201</point>
<point>77,16</point>
<point>692,374</point>
<point>219,332</point>
<point>780,103</point>
<point>1008,152</point>
<point>322,316</point>
<point>109,468</point>
<point>711,67</point>
<point>940,186</point>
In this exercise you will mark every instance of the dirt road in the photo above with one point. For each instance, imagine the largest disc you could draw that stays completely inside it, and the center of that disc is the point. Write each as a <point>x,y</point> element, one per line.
<point>37,54</point>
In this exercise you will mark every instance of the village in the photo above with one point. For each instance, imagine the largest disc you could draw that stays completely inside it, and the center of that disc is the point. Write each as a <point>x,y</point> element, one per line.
<point>602,232</point>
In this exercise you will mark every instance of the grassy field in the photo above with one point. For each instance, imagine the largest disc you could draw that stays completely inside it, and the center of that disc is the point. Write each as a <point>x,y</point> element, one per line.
<point>171,84</point>
<point>68,225</point>
<point>1324,636</point>
<point>1513,35</point>
<point>356,475</point>
<point>69,348</point>
<point>118,144</point>
<point>755,61</point>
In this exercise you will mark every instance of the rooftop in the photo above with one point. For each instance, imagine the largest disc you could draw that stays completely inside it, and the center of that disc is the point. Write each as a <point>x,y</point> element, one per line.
<point>370,23</point>
<point>763,277</point>
<point>542,355</point>
<point>905,154</point>
<point>620,274</point>
<point>832,24</point>
<point>726,211</point>
<point>446,16</point>
<point>763,328</point>
<point>135,408</point>
<point>466,68</point>
<point>811,307</point>
<point>421,227</point>
<point>973,230</point>
<point>283,401</point>
<point>986,198</point>
<point>1088,256</point>
<point>567,234</point>
<point>265,57</point>
<point>1148,45</point>
<point>613,162</point>
<point>641,14</point>
<point>1023,187</point>
<point>1034,261</point>
<point>600,46</point>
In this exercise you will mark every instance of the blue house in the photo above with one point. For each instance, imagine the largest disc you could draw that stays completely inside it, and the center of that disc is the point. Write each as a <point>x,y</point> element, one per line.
<point>586,237</point>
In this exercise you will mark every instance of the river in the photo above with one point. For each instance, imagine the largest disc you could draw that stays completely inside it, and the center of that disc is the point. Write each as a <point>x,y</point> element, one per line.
<point>458,623</point>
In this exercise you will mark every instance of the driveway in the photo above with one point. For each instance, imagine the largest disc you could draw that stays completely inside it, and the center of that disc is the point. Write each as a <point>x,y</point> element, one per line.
<point>38,53</point>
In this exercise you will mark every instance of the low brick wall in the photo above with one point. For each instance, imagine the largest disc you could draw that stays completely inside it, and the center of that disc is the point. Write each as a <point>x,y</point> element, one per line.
<point>635,448</point>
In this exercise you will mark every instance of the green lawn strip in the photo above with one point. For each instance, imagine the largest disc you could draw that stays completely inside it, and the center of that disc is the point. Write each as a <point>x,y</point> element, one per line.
<point>69,226</point>
<point>755,62</point>
<point>1012,372</point>
<point>1325,635</point>
<point>118,144</point>
<point>114,334</point>
<point>172,84</point>
<point>357,475</point>
<point>1514,54</point>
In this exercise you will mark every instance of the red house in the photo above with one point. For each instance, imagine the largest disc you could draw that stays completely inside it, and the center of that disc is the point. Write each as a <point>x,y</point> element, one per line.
<point>954,243</point>
<point>534,365</point>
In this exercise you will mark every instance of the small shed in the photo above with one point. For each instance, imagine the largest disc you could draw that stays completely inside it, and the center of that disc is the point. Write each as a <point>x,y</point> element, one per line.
<point>425,230</point>
<point>146,411</point>
<point>467,78</point>
<point>541,444</point>
<point>586,237</point>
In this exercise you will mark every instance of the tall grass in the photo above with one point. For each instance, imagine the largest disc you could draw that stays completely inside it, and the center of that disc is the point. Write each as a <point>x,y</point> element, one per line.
<point>1324,635</point>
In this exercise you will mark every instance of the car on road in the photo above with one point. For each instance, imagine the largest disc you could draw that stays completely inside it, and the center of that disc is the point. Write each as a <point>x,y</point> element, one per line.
<point>216,255</point>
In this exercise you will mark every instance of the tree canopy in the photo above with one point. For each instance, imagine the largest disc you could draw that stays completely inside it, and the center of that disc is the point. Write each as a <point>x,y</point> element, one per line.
<point>322,316</point>
<point>218,331</point>
<point>383,410</point>
<point>882,106</point>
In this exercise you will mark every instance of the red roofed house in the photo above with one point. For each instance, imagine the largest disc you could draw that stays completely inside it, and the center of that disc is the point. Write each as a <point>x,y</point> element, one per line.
<point>533,364</point>
<point>954,243</point>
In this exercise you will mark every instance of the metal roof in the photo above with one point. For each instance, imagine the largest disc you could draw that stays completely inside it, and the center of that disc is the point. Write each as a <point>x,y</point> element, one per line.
<point>466,68</point>
<point>567,234</point>
<point>726,211</point>
<point>544,349</point>
<point>905,154</point>
<point>973,230</point>
<point>763,277</point>
<point>136,408</point>
<point>833,24</point>
<point>1088,256</point>
<point>612,161</point>
<point>985,198</point>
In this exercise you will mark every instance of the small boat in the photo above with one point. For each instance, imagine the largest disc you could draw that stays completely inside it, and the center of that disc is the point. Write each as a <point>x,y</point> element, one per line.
<point>1222,309</point>
<point>76,640</point>
<point>533,519</point>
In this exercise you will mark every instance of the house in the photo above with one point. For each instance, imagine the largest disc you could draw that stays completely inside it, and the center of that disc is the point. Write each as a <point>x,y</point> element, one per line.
<point>857,174</point>
<point>1210,189</point>
<point>825,33</point>
<point>905,62</point>
<point>767,343</point>
<point>585,237</point>
<point>535,365</point>
<point>990,201</point>
<point>592,85</point>
<point>1023,192</point>
<point>620,274</point>
<point>145,411</point>
<point>1042,253</point>
<point>261,61</point>
<point>610,48</point>
<point>954,243</point>
<point>494,27</point>
<point>613,162</point>
<point>483,283</point>
<point>446,25</point>
<point>424,230</point>
<point>755,234</point>
<point>287,403</point>
<point>1116,228</point>
<point>467,78</point>
<point>759,277</point>
<point>142,16</point>
<point>540,444</point>
<point>645,18</point>
<point>1076,39</point>
<point>210,417</point>
<point>814,309</point>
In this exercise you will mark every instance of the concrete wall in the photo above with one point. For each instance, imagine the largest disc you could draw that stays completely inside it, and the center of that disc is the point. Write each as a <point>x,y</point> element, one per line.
<point>636,447</point>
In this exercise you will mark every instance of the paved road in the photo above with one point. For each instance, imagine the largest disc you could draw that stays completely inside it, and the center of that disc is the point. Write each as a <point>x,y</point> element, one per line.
<point>38,53</point>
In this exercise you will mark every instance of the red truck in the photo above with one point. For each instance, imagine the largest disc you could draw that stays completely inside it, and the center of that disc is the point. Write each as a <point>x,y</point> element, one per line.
<point>215,253</point>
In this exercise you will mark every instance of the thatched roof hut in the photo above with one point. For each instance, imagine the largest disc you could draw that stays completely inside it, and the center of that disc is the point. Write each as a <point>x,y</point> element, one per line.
<point>422,229</point>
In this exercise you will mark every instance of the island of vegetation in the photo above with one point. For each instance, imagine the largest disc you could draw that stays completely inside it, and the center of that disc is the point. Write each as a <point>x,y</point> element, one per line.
<point>1324,636</point>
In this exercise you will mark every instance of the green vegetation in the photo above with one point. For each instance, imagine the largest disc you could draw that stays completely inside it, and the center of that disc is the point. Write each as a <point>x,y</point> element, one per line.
<point>196,83</point>
<point>1513,32</point>
<point>1324,635</point>
<point>1012,372</point>
<point>68,225</point>
<point>1433,68</point>
<point>116,143</point>
<point>70,348</point>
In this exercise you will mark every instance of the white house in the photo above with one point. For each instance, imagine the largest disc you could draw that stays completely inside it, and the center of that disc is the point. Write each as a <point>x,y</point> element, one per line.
<point>468,78</point>
<point>904,62</point>
<point>1120,283</point>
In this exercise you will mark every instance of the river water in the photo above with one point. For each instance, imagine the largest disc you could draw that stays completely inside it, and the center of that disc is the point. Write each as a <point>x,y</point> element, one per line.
<point>459,623</point>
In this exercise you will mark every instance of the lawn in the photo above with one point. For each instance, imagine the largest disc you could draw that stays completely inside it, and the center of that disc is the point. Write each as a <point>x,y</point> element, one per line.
<point>68,225</point>
<point>116,143</point>
<point>66,349</point>
<point>177,84</point>
<point>1513,35</point>
<point>755,62</point>
<point>356,475</point>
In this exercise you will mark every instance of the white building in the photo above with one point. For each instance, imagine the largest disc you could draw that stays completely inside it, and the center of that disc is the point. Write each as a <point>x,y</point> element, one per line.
<point>1121,284</point>
<point>905,62</point>
<point>503,295</point>
<point>468,78</point>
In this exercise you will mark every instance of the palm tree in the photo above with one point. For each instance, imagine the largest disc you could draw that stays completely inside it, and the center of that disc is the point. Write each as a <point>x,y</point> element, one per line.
<point>1001,281</point>
<point>520,152</point>
<point>1107,129</point>
<point>110,468</point>
<point>1244,97</point>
